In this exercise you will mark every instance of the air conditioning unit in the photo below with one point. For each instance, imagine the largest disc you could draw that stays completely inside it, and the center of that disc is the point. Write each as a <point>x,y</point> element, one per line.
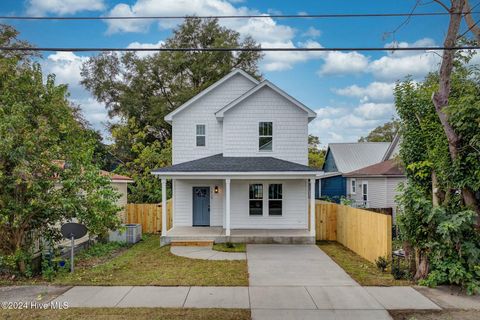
<point>130,233</point>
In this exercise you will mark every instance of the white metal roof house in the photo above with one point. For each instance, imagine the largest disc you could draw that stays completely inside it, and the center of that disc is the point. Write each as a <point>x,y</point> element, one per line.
<point>240,164</point>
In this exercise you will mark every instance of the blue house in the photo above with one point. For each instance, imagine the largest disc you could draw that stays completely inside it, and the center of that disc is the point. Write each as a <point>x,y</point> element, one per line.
<point>342,158</point>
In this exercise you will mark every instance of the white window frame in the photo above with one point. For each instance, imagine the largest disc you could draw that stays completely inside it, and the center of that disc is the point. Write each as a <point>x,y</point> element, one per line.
<point>365,195</point>
<point>265,136</point>
<point>353,186</point>
<point>268,203</point>
<point>204,135</point>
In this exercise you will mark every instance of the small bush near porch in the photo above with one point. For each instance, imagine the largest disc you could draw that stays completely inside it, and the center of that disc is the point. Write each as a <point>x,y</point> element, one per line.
<point>230,247</point>
<point>147,264</point>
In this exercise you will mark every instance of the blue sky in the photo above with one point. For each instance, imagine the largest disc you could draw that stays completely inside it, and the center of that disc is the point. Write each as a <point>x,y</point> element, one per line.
<point>351,91</point>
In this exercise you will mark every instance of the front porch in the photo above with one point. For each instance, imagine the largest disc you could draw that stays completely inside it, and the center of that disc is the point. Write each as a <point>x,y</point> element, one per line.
<point>219,235</point>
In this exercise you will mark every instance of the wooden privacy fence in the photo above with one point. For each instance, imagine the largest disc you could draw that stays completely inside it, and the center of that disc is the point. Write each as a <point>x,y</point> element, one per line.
<point>149,215</point>
<point>367,233</point>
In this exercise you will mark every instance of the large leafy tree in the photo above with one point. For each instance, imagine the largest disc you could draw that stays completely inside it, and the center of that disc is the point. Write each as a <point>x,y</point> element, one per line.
<point>46,156</point>
<point>316,155</point>
<point>141,90</point>
<point>434,218</point>
<point>383,133</point>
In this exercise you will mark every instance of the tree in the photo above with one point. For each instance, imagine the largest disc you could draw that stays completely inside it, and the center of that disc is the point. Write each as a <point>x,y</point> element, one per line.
<point>46,170</point>
<point>382,133</point>
<point>440,97</point>
<point>434,220</point>
<point>316,156</point>
<point>141,90</point>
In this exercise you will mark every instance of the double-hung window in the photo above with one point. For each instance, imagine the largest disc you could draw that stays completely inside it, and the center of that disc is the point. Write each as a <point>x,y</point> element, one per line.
<point>275,200</point>
<point>201,137</point>
<point>265,136</point>
<point>256,199</point>
<point>353,186</point>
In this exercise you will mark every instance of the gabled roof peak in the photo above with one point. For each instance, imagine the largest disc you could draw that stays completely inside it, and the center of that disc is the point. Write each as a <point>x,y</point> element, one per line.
<point>234,72</point>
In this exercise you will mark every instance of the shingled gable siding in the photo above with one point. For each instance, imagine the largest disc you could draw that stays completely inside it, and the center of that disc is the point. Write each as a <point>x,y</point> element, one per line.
<point>290,128</point>
<point>203,112</point>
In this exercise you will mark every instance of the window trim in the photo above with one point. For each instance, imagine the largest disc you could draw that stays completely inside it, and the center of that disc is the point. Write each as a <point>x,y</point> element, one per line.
<point>265,136</point>
<point>262,199</point>
<point>353,186</point>
<point>364,195</point>
<point>204,135</point>
<point>268,201</point>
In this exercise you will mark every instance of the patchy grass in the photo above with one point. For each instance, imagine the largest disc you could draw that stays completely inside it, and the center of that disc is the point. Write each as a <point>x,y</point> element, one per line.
<point>127,313</point>
<point>361,270</point>
<point>435,315</point>
<point>231,247</point>
<point>147,264</point>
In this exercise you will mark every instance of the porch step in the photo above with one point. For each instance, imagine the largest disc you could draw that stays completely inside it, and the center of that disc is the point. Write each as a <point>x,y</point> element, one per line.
<point>191,243</point>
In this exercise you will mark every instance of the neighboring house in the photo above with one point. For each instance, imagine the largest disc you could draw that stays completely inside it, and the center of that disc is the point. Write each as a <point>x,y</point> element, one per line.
<point>365,172</point>
<point>120,183</point>
<point>240,159</point>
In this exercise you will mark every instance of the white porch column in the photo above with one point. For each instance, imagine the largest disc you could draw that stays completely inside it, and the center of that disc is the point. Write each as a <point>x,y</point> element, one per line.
<point>227,207</point>
<point>312,207</point>
<point>164,206</point>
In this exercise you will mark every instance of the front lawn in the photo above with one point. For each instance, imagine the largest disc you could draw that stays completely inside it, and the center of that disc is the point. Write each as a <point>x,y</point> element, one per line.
<point>361,270</point>
<point>435,315</point>
<point>147,264</point>
<point>127,313</point>
<point>230,247</point>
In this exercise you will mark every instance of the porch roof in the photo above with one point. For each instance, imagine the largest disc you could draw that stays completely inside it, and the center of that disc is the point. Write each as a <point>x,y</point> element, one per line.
<point>220,165</point>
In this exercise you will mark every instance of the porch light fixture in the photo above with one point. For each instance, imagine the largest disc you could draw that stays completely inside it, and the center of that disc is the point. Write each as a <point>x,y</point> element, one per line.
<point>215,189</point>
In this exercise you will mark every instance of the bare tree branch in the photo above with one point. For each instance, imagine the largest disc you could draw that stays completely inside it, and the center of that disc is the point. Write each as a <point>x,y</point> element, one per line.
<point>443,5</point>
<point>472,25</point>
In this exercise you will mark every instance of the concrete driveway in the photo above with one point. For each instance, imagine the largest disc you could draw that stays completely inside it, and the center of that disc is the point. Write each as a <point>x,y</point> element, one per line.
<point>302,282</point>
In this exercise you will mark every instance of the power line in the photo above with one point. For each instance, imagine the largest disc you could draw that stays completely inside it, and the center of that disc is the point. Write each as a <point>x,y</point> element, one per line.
<point>240,49</point>
<point>279,16</point>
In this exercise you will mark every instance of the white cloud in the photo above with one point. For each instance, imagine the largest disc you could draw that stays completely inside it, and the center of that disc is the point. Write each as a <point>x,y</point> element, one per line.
<point>337,62</point>
<point>146,46</point>
<point>374,111</point>
<point>312,32</point>
<point>375,91</point>
<point>265,31</point>
<point>62,7</point>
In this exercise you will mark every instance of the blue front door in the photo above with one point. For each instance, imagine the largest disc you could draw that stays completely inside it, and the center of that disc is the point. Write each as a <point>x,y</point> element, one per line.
<point>201,206</point>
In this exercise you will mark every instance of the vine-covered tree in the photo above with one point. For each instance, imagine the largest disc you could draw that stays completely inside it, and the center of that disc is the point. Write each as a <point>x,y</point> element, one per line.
<point>435,220</point>
<point>141,90</point>
<point>46,162</point>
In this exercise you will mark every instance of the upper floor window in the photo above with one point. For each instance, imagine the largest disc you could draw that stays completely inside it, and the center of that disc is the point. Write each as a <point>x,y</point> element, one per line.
<point>265,136</point>
<point>201,135</point>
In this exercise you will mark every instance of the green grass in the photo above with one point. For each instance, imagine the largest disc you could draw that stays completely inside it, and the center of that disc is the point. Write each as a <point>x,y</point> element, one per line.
<point>232,247</point>
<point>361,270</point>
<point>434,315</point>
<point>127,313</point>
<point>147,264</point>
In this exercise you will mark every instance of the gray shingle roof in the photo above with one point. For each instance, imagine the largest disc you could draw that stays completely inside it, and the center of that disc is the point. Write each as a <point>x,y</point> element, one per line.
<point>219,163</point>
<point>353,156</point>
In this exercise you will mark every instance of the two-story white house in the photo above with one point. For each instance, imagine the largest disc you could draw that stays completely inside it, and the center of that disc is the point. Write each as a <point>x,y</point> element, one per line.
<point>240,164</point>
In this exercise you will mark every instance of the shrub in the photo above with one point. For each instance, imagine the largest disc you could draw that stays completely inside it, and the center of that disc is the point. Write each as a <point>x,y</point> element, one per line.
<point>382,263</point>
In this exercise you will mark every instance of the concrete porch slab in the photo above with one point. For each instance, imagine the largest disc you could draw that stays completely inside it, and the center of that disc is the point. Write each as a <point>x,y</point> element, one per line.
<point>218,297</point>
<point>401,298</point>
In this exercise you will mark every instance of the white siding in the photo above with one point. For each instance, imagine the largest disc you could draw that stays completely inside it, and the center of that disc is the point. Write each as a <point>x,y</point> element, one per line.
<point>392,185</point>
<point>203,112</point>
<point>183,201</point>
<point>294,206</point>
<point>290,127</point>
<point>121,187</point>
